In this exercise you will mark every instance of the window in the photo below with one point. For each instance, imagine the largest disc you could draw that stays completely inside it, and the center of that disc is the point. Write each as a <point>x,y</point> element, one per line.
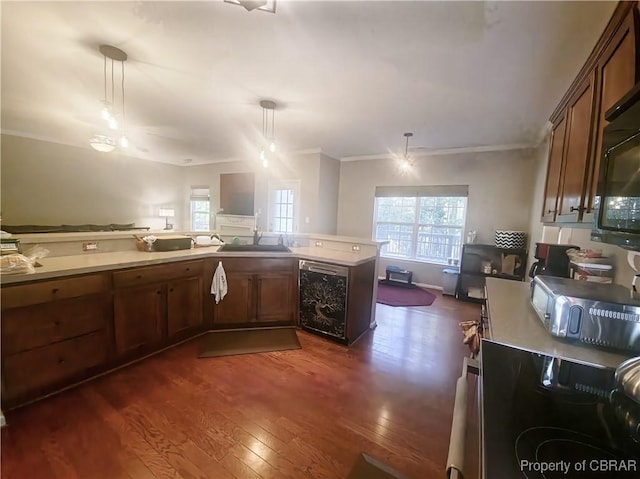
<point>421,223</point>
<point>284,199</point>
<point>200,208</point>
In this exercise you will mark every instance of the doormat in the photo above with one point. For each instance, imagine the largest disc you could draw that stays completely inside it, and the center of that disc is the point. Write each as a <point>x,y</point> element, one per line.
<point>402,296</point>
<point>366,467</point>
<point>246,341</point>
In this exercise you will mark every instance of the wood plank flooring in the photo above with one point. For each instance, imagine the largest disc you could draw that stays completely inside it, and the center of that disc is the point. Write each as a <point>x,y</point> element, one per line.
<point>304,413</point>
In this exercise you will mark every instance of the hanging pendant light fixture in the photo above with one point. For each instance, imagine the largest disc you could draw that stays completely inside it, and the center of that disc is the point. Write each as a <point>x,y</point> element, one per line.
<point>406,162</point>
<point>268,129</point>
<point>105,142</point>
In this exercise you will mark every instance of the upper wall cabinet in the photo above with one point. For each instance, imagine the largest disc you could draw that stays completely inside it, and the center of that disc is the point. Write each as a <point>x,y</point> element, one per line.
<point>575,164</point>
<point>554,170</point>
<point>576,141</point>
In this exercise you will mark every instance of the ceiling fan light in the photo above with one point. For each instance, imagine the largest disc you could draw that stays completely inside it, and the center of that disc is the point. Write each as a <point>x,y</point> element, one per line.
<point>102,143</point>
<point>265,163</point>
<point>124,141</point>
<point>113,123</point>
<point>272,147</point>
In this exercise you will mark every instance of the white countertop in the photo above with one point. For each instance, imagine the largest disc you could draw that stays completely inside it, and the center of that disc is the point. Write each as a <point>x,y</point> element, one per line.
<point>513,322</point>
<point>94,262</point>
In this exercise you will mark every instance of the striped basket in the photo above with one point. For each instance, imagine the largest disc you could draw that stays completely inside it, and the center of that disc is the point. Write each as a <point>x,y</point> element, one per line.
<point>511,239</point>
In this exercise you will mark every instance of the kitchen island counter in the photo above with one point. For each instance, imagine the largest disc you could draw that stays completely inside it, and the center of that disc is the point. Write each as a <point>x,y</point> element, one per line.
<point>54,267</point>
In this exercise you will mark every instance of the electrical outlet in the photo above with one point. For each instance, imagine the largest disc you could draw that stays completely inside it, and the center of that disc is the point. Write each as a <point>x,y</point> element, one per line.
<point>355,247</point>
<point>318,243</point>
<point>90,246</point>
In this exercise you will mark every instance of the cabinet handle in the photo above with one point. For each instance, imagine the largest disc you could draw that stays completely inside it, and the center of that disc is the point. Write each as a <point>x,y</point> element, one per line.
<point>54,290</point>
<point>550,211</point>
<point>171,290</point>
<point>158,292</point>
<point>60,360</point>
<point>188,269</point>
<point>56,323</point>
<point>576,208</point>
<point>139,276</point>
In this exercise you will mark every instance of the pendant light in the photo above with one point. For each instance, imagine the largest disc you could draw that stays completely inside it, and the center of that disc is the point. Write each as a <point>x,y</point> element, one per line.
<point>105,143</point>
<point>406,163</point>
<point>268,128</point>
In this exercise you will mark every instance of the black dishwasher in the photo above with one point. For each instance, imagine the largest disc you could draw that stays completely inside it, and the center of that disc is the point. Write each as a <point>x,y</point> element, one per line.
<point>323,299</point>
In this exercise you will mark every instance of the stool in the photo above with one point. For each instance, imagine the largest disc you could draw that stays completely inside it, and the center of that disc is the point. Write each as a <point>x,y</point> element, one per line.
<point>399,275</point>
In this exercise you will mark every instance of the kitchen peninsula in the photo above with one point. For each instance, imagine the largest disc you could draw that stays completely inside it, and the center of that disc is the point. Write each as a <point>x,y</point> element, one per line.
<point>83,314</point>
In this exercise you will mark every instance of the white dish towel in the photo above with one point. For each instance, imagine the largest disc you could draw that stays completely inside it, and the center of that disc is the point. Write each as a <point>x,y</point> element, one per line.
<point>219,283</point>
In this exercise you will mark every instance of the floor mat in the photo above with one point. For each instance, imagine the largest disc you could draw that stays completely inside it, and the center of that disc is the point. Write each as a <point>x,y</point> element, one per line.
<point>403,296</point>
<point>366,467</point>
<point>246,341</point>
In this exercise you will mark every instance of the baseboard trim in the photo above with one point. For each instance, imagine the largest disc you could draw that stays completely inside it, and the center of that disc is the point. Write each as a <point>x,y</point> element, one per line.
<point>422,285</point>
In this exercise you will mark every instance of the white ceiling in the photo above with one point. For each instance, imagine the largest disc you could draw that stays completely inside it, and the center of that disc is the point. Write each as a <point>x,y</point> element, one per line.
<point>348,77</point>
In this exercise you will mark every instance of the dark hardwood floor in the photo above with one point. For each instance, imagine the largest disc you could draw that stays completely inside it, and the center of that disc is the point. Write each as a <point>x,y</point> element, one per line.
<point>304,413</point>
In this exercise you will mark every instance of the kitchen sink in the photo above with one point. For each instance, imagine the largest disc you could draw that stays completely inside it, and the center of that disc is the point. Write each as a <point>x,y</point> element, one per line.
<point>267,248</point>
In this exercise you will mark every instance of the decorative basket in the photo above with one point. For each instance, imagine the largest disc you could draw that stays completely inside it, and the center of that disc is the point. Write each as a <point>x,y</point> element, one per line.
<point>511,239</point>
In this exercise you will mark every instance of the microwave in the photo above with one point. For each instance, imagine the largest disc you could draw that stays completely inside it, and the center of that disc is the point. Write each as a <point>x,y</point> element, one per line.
<point>616,217</point>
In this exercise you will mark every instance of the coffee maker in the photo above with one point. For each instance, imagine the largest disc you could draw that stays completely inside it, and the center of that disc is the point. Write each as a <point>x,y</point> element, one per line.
<point>552,260</point>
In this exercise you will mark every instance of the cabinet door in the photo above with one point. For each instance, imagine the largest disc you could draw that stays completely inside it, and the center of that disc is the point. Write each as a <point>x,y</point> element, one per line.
<point>275,298</point>
<point>138,315</point>
<point>184,305</point>
<point>554,171</point>
<point>238,305</point>
<point>617,74</point>
<point>577,154</point>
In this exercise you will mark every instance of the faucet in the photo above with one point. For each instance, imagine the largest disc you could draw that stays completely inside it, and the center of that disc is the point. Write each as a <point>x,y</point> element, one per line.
<point>256,237</point>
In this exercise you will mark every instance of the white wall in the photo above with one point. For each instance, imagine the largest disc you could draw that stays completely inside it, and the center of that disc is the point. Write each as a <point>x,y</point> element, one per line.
<point>51,184</point>
<point>540,156</point>
<point>500,191</point>
<point>328,191</point>
<point>303,167</point>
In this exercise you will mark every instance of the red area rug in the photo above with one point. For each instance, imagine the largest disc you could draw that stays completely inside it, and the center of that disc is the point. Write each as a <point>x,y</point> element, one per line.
<point>402,296</point>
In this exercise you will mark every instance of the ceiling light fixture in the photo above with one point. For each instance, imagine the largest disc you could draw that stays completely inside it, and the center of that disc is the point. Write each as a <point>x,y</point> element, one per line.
<point>406,163</point>
<point>101,142</point>
<point>264,5</point>
<point>268,128</point>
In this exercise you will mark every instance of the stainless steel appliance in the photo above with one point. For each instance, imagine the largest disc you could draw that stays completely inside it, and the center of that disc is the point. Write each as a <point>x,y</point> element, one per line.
<point>594,313</point>
<point>552,260</point>
<point>323,299</point>
<point>617,202</point>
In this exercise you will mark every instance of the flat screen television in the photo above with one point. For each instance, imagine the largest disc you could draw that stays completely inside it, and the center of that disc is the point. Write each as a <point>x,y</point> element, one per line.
<point>617,205</point>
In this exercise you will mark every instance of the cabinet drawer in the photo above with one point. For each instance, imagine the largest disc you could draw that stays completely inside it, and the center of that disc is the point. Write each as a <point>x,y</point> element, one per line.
<point>258,265</point>
<point>38,325</point>
<point>35,293</point>
<point>157,274</point>
<point>36,370</point>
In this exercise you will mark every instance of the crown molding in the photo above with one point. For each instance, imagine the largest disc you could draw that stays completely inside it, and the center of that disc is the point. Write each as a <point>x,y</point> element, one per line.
<point>417,153</point>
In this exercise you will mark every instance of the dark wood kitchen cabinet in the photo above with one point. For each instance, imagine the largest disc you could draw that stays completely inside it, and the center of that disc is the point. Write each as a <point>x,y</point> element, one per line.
<point>609,73</point>
<point>618,72</point>
<point>54,333</point>
<point>138,316</point>
<point>261,291</point>
<point>554,171</point>
<point>184,305</point>
<point>155,304</point>
<point>576,158</point>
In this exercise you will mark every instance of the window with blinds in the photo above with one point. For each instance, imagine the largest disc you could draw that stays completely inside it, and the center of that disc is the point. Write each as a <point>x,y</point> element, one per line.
<point>200,206</point>
<point>423,223</point>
